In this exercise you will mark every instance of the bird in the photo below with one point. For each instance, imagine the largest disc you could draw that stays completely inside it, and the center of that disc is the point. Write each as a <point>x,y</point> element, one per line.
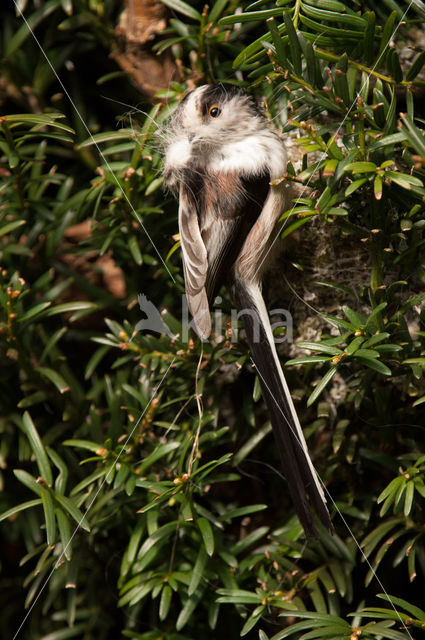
<point>225,164</point>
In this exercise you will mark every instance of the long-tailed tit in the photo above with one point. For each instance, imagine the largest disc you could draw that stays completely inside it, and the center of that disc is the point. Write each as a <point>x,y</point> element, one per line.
<point>221,159</point>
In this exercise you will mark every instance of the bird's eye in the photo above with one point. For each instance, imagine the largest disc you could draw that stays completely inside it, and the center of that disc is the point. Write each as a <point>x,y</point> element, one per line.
<point>214,111</point>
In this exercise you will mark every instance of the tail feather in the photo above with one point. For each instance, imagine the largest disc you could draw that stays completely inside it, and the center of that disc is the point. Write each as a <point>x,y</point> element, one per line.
<point>303,482</point>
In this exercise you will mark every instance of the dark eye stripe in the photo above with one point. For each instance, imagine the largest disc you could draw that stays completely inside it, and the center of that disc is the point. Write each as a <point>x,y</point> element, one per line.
<point>215,94</point>
<point>219,94</point>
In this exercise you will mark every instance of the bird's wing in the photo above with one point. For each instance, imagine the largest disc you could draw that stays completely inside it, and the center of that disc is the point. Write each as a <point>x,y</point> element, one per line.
<point>216,213</point>
<point>195,261</point>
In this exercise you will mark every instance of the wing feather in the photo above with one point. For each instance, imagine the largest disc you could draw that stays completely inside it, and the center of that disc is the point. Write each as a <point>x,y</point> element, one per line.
<point>195,264</point>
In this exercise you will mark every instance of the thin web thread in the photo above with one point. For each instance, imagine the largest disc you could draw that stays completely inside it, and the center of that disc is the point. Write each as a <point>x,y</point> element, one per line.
<point>333,138</point>
<point>193,453</point>
<point>200,407</point>
<point>58,561</point>
<point>74,106</point>
<point>333,502</point>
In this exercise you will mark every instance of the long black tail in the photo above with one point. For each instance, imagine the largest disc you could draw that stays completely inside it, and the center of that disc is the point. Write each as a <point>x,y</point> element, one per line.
<point>303,482</point>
